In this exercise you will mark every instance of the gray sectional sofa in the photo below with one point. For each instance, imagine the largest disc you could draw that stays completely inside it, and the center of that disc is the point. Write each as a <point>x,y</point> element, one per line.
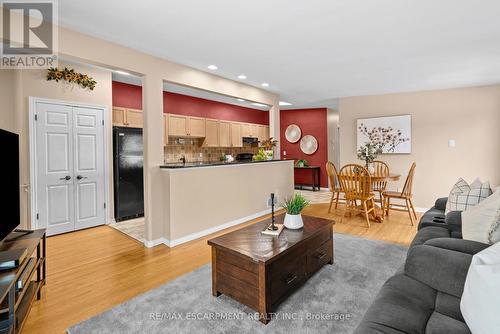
<point>424,297</point>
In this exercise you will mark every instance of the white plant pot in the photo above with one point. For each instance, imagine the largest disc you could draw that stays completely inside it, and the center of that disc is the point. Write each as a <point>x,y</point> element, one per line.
<point>269,154</point>
<point>293,222</point>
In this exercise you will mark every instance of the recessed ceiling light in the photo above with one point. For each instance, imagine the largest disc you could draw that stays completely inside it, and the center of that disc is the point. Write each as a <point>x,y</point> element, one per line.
<point>241,100</point>
<point>259,104</point>
<point>242,76</point>
<point>122,72</point>
<point>212,67</point>
<point>283,103</point>
<point>264,84</point>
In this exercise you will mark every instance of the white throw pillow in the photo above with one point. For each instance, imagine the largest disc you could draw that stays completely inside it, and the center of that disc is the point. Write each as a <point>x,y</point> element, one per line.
<point>463,196</point>
<point>481,222</point>
<point>480,301</point>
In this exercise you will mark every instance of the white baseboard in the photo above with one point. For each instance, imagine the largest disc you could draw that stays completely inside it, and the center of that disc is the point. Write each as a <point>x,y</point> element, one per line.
<point>421,210</point>
<point>201,234</point>
<point>156,242</point>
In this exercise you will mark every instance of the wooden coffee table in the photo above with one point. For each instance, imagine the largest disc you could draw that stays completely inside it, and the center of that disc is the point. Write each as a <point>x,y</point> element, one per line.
<point>260,271</point>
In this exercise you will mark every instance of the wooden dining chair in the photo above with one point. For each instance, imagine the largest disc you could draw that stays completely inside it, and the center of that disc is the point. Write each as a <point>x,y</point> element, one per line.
<point>335,186</point>
<point>381,169</point>
<point>405,195</point>
<point>356,183</point>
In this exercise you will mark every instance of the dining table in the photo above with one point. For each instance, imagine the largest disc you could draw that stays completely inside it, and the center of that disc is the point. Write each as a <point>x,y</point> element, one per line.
<point>374,178</point>
<point>391,177</point>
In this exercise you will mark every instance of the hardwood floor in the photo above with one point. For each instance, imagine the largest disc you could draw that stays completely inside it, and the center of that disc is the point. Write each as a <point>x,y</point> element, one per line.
<point>93,270</point>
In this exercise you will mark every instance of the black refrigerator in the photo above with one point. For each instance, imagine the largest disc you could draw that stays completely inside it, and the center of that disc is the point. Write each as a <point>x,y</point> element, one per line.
<point>128,173</point>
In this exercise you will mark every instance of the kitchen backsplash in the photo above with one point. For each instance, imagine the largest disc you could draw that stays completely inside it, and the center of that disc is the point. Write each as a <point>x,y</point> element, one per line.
<point>191,149</point>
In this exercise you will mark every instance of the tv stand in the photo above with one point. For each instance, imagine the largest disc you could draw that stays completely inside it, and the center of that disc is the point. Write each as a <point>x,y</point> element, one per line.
<point>21,285</point>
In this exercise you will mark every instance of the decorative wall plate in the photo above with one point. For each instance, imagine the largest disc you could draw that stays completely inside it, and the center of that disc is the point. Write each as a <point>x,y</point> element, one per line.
<point>293,133</point>
<point>308,144</point>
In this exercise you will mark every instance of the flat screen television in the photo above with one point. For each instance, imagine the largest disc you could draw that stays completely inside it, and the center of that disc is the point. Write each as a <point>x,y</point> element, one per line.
<point>9,170</point>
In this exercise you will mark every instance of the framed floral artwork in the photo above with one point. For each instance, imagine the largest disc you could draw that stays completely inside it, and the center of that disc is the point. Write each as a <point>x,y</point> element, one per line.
<point>389,135</point>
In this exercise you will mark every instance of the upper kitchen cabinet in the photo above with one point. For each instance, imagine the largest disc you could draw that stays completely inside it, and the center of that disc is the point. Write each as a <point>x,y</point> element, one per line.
<point>119,116</point>
<point>211,133</point>
<point>254,130</point>
<point>186,126</point>
<point>263,132</point>
<point>196,126</point>
<point>127,117</point>
<point>134,118</point>
<point>177,125</point>
<point>224,134</point>
<point>246,130</point>
<point>165,129</point>
<point>236,135</point>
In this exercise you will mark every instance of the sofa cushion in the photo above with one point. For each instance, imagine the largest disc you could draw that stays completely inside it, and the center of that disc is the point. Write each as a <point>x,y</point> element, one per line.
<point>458,245</point>
<point>440,268</point>
<point>441,324</point>
<point>402,305</point>
<point>448,305</point>
<point>428,233</point>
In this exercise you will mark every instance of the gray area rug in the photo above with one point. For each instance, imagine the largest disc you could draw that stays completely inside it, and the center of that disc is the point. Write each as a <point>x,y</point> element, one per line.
<point>334,300</point>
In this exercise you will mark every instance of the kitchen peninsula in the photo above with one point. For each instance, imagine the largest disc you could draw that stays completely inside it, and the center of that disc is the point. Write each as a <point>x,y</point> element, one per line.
<point>202,198</point>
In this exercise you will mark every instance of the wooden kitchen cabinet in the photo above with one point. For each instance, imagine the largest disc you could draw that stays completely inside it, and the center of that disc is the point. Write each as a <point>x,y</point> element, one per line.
<point>254,130</point>
<point>196,126</point>
<point>262,133</point>
<point>246,130</point>
<point>211,133</point>
<point>119,116</point>
<point>165,129</point>
<point>134,118</point>
<point>127,117</point>
<point>177,125</point>
<point>224,134</point>
<point>236,136</point>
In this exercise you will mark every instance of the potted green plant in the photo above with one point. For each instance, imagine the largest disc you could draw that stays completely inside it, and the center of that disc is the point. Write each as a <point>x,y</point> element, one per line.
<point>302,163</point>
<point>268,145</point>
<point>293,206</point>
<point>368,153</point>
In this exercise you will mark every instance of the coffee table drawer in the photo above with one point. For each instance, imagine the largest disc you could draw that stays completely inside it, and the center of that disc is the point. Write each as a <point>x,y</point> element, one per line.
<point>288,279</point>
<point>319,239</point>
<point>320,256</point>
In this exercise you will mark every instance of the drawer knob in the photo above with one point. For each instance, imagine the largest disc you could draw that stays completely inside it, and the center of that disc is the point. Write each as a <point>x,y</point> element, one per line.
<point>290,279</point>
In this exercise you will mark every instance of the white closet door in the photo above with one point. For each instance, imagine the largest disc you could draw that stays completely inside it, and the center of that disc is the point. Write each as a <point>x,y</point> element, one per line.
<point>69,167</point>
<point>88,167</point>
<point>54,159</point>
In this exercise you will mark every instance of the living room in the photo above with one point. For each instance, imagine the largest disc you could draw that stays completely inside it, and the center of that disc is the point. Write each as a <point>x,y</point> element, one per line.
<point>338,174</point>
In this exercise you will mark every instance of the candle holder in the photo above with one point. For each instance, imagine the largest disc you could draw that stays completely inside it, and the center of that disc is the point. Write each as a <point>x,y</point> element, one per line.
<point>272,227</point>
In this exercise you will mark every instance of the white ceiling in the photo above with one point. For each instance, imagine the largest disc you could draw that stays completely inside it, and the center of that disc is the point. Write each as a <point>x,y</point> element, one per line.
<point>314,51</point>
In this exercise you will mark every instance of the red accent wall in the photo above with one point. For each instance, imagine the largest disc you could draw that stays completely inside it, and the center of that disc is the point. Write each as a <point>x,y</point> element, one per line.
<point>311,122</point>
<point>130,96</point>
<point>126,96</point>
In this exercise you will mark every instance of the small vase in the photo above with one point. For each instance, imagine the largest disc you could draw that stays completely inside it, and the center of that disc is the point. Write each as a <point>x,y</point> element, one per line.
<point>293,222</point>
<point>269,154</point>
<point>371,169</point>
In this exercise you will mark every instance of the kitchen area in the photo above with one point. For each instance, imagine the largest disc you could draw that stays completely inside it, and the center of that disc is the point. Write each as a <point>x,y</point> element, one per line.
<point>211,143</point>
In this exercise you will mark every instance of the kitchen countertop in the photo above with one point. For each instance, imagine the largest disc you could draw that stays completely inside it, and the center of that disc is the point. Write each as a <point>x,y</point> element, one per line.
<point>180,165</point>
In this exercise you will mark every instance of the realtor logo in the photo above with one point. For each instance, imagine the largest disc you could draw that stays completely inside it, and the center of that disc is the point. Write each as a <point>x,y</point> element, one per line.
<point>29,34</point>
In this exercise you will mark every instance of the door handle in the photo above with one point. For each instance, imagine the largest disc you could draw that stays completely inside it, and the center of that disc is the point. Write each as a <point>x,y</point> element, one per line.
<point>67,178</point>
<point>79,177</point>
